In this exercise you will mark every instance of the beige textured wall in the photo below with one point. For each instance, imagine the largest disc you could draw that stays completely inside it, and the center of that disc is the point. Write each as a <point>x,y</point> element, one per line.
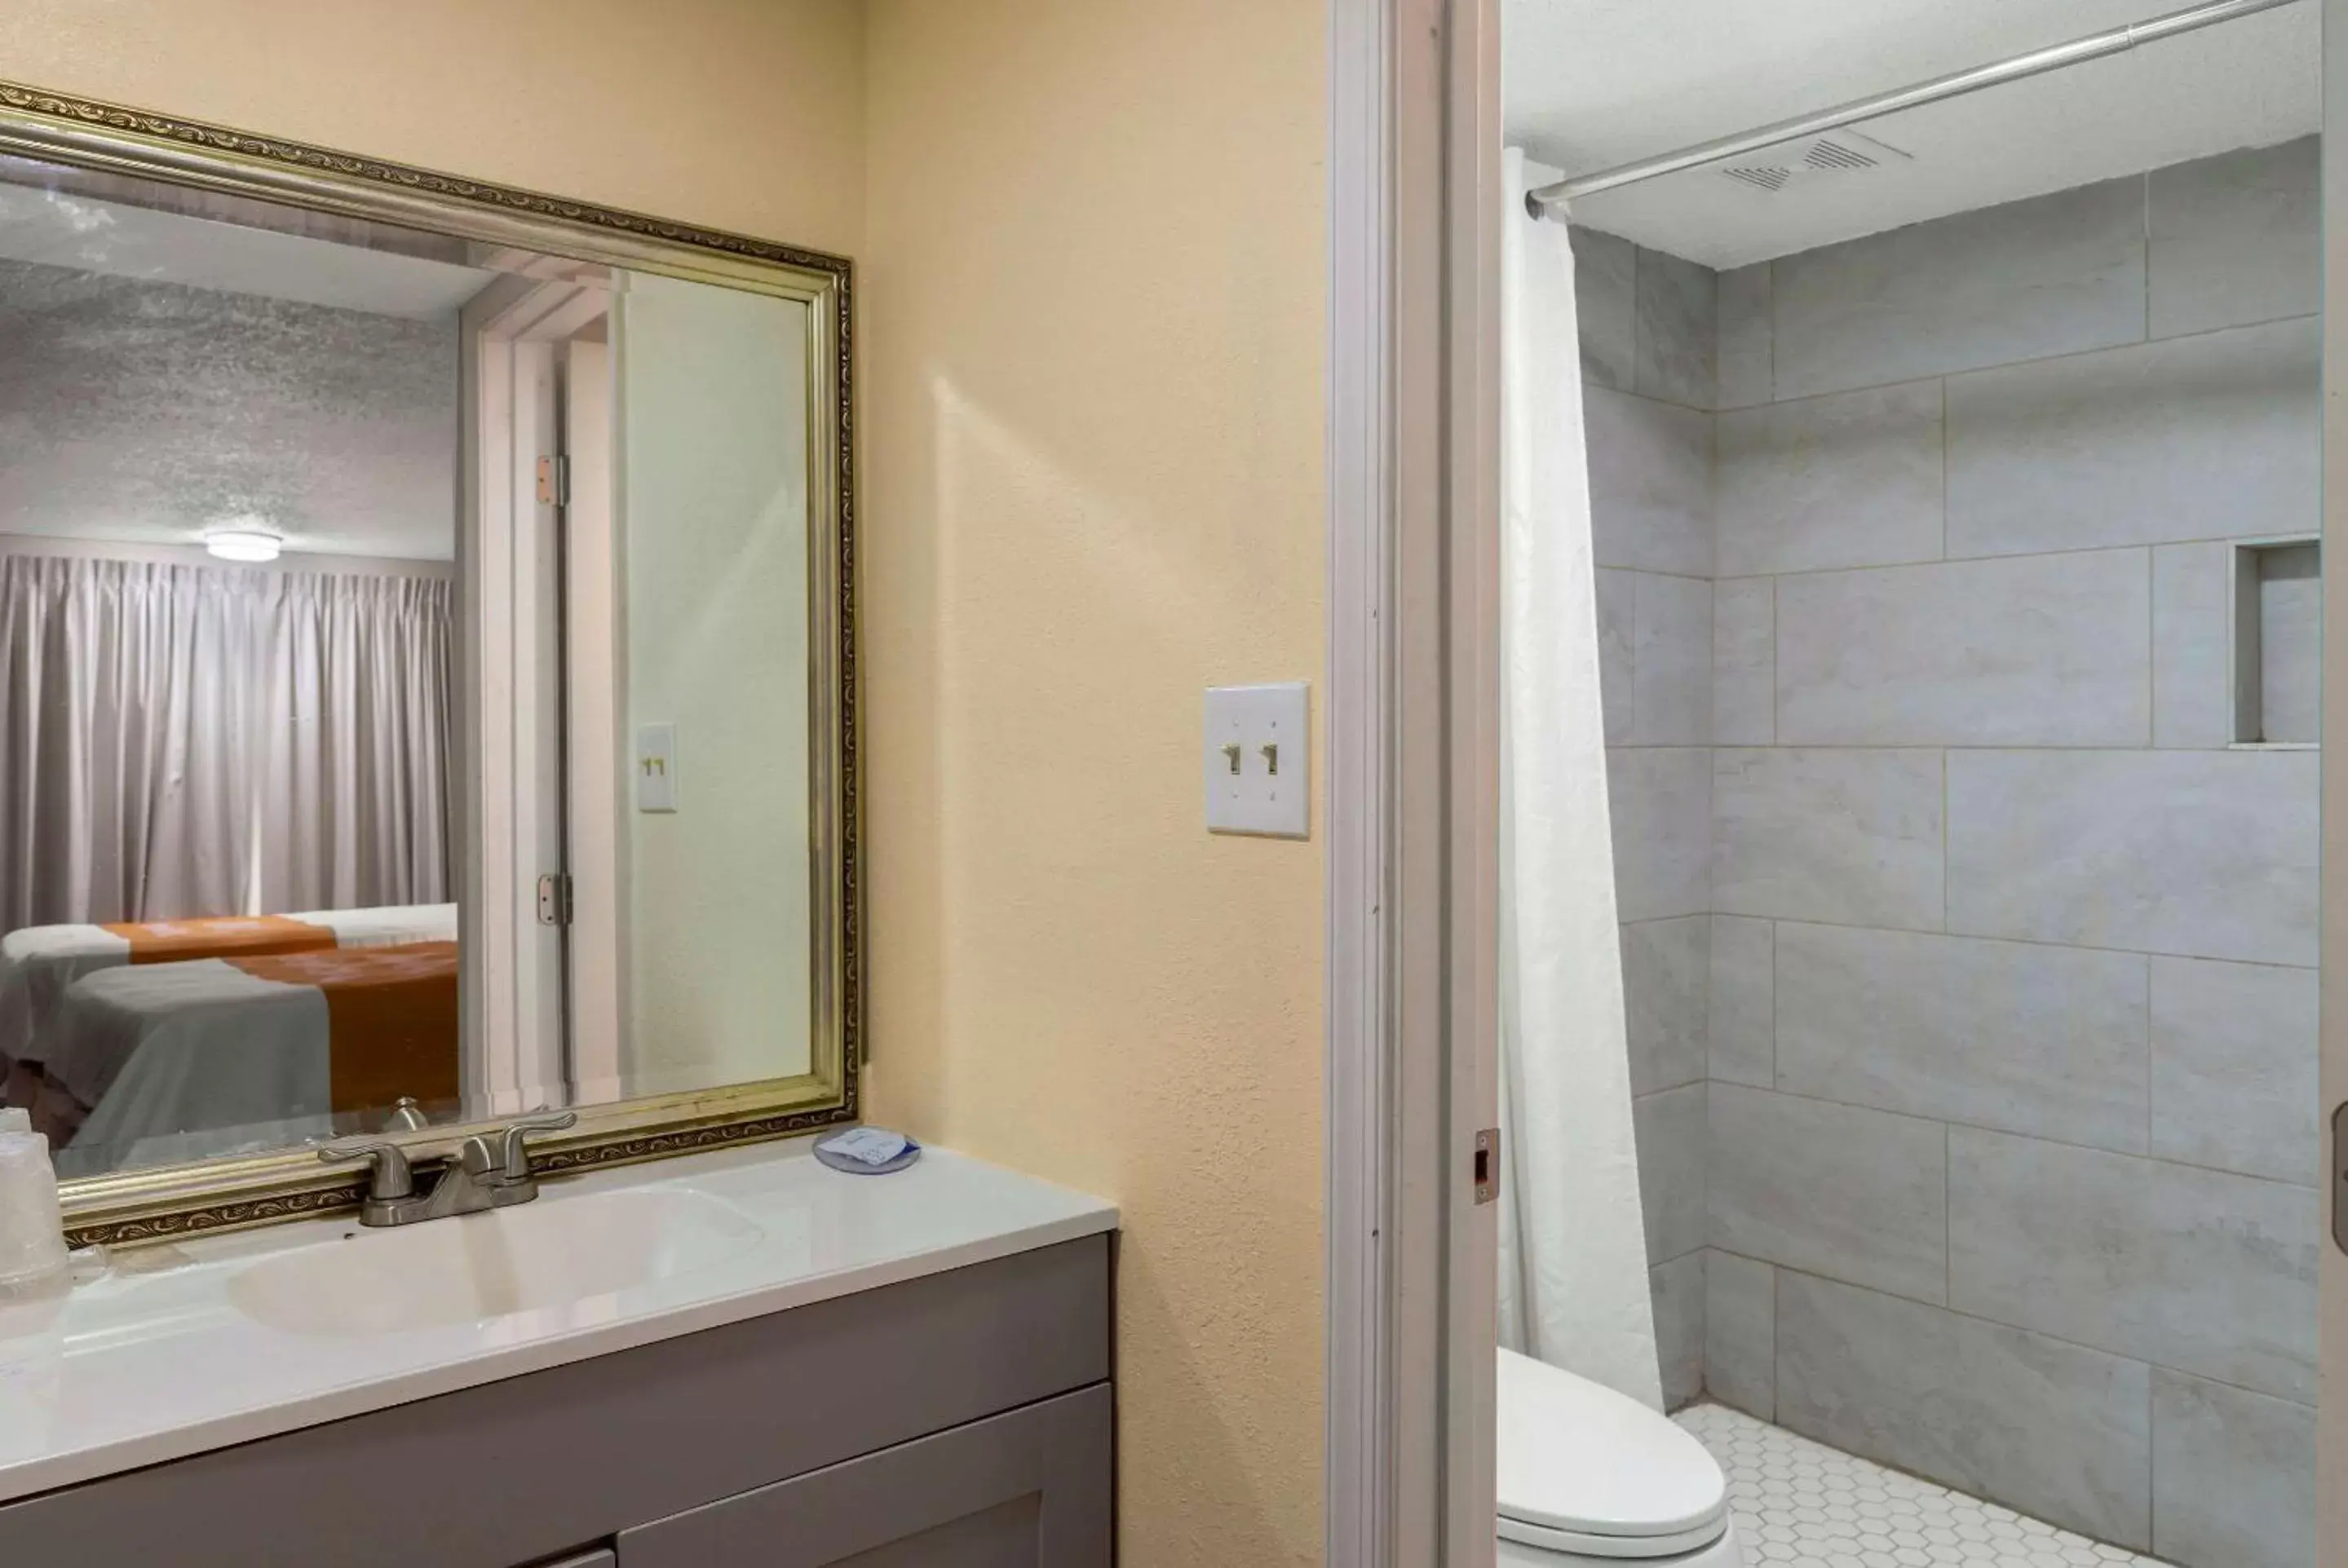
<point>1090,247</point>
<point>1093,346</point>
<point>741,114</point>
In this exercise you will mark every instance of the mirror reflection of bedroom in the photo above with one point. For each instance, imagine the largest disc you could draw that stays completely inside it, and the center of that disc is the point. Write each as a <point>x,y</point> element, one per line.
<point>244,487</point>
<point>228,643</point>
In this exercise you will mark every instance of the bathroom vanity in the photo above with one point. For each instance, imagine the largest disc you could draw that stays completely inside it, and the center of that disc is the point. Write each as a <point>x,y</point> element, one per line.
<point>637,906</point>
<point>733,1359</point>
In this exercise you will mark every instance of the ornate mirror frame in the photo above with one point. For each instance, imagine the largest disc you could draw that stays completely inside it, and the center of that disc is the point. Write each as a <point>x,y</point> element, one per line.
<point>171,1201</point>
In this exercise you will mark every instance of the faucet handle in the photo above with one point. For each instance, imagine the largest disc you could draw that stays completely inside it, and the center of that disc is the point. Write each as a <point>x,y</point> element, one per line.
<point>513,1158</point>
<point>389,1174</point>
<point>474,1157</point>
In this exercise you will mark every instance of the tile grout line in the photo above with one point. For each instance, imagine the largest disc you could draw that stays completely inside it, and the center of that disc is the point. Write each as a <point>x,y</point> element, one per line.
<point>2148,1143</point>
<point>1948,1224</point>
<point>1630,698</point>
<point>1711,736</point>
<point>1650,398</point>
<point>2151,1460</point>
<point>1638,322</point>
<point>1948,1123</point>
<point>1944,839</point>
<point>2240,541</point>
<point>1958,371</point>
<point>1597,565</point>
<point>1980,936</point>
<point>1943,420</point>
<point>2152,647</point>
<point>1778,1271</point>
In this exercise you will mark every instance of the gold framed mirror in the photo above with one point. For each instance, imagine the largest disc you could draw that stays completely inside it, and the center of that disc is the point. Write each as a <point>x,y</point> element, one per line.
<point>639,608</point>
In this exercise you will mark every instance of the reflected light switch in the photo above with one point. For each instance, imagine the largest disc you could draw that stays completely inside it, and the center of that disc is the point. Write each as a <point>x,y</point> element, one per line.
<point>656,767</point>
<point>1257,748</point>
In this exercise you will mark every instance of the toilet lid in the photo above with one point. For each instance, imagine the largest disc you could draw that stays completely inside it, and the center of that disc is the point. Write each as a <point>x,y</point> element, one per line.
<point>1577,1459</point>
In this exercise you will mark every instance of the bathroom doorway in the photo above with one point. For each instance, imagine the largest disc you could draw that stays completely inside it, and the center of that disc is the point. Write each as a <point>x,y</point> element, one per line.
<point>1951,497</point>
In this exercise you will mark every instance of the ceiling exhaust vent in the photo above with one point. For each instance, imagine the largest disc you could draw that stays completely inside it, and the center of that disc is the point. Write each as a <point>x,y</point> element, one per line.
<point>1799,162</point>
<point>1760,175</point>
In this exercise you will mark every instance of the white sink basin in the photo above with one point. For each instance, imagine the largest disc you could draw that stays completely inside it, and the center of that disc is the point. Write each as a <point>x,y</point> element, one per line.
<point>532,1257</point>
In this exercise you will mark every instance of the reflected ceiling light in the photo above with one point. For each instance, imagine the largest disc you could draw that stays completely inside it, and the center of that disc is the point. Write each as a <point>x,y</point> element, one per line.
<point>243,542</point>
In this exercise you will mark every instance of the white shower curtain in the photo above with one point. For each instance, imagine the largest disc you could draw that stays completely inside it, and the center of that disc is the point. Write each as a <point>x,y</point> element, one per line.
<point>1573,1260</point>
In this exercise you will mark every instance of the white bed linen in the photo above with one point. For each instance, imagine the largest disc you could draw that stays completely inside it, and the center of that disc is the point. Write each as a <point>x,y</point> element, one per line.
<point>198,1049</point>
<point>38,964</point>
<point>393,925</point>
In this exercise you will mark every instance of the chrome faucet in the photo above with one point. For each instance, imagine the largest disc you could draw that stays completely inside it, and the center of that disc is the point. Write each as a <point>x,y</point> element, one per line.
<point>478,1175</point>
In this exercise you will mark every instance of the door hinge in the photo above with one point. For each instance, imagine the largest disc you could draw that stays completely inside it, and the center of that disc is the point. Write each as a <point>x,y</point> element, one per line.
<point>554,898</point>
<point>554,481</point>
<point>1487,1166</point>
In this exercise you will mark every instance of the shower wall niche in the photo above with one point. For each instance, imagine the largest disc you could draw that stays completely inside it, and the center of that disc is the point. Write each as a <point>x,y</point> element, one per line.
<point>1960,614</point>
<point>2278,642</point>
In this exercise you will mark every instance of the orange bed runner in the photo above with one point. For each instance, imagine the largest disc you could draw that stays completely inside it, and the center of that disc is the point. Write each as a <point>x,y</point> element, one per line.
<point>219,937</point>
<point>392,1014</point>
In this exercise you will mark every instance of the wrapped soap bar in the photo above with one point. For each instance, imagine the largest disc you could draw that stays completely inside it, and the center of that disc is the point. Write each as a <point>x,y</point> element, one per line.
<point>32,1231</point>
<point>868,1151</point>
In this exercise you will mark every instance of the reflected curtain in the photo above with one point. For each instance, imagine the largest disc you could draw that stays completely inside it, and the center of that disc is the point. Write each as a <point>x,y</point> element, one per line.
<point>354,743</point>
<point>181,739</point>
<point>1573,1258</point>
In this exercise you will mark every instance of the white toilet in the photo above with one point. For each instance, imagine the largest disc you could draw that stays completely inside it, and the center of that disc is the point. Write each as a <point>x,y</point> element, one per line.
<point>1591,1476</point>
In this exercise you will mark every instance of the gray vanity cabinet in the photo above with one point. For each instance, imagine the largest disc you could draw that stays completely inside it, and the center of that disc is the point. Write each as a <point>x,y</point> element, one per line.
<point>957,1420</point>
<point>1029,1489</point>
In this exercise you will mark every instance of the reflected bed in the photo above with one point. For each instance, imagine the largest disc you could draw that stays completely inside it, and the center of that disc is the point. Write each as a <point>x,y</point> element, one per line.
<point>127,1036</point>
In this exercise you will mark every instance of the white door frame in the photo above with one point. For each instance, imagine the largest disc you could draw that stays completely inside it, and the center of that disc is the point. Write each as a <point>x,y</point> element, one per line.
<point>1411,709</point>
<point>594,638</point>
<point>2332,1300</point>
<point>512,336</point>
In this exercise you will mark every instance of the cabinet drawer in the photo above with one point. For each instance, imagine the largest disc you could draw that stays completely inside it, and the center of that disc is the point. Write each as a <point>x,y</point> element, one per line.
<point>1025,1489</point>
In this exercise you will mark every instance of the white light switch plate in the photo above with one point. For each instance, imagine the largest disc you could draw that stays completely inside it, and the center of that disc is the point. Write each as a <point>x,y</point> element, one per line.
<point>1258,751</point>
<point>655,767</point>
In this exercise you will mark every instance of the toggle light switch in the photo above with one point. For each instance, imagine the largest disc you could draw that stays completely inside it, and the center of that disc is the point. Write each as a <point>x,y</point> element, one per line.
<point>655,767</point>
<point>1255,752</point>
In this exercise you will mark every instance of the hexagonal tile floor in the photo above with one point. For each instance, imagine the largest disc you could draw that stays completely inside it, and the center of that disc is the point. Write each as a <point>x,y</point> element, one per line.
<point>1805,1505</point>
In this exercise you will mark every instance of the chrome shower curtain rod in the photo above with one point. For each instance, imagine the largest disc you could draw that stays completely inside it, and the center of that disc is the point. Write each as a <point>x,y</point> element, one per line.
<point>1548,200</point>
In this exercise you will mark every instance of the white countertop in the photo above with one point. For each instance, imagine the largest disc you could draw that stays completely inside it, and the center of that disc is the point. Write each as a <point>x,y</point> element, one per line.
<point>156,1362</point>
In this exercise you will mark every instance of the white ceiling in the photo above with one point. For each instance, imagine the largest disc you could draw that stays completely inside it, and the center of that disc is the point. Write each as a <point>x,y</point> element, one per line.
<point>144,413</point>
<point>160,373</point>
<point>61,229</point>
<point>1593,83</point>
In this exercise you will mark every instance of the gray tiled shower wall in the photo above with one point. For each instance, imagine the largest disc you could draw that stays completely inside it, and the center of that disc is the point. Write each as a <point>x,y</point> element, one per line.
<point>1969,966</point>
